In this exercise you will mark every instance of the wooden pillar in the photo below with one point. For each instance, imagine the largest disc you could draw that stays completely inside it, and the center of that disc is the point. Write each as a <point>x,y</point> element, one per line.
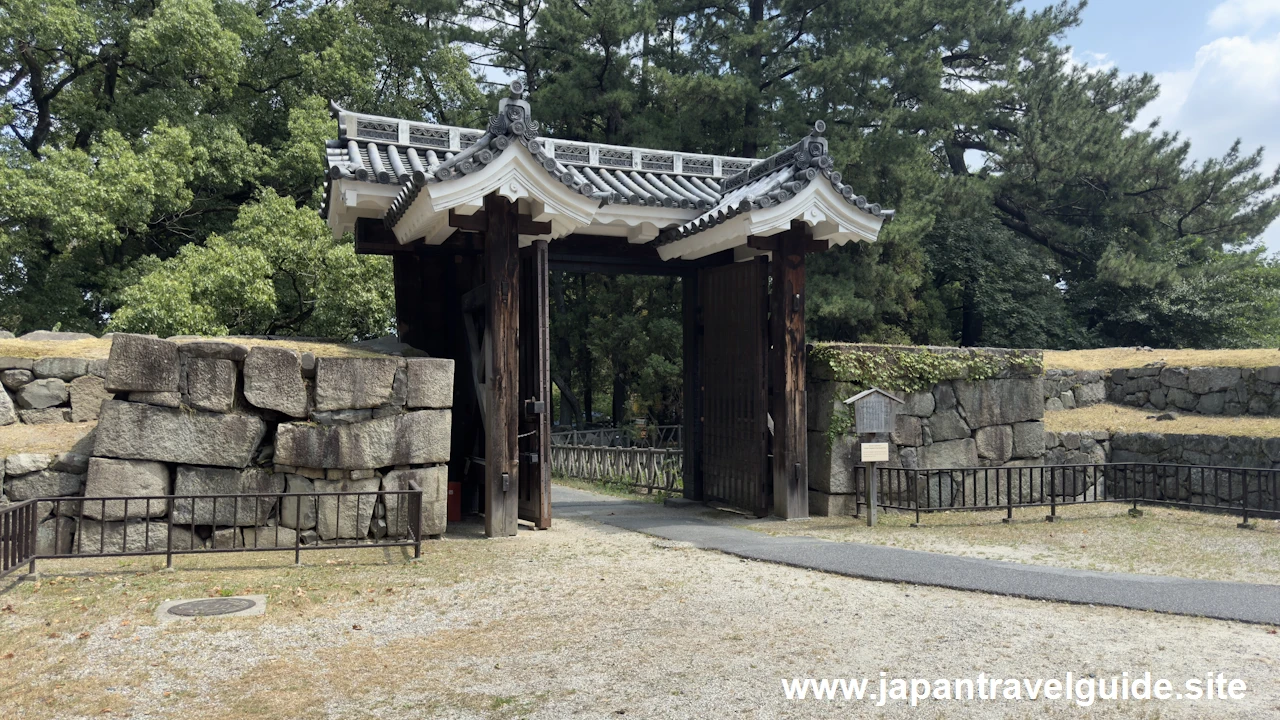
<point>535,387</point>
<point>790,451</point>
<point>502,275</point>
<point>691,431</point>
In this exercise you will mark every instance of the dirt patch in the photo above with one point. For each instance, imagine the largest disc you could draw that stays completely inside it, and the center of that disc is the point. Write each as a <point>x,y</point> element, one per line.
<point>50,438</point>
<point>1110,358</point>
<point>1123,418</point>
<point>579,621</point>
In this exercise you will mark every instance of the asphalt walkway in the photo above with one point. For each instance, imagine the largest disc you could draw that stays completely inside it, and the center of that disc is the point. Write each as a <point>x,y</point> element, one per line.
<point>1223,600</point>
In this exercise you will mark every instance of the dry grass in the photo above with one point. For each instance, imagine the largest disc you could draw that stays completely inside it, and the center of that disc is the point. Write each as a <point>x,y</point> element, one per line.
<point>1109,358</point>
<point>1164,541</point>
<point>51,438</point>
<point>100,348</point>
<point>1123,418</point>
<point>579,621</point>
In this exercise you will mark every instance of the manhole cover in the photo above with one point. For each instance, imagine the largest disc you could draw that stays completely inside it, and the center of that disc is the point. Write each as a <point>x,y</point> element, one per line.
<point>214,606</point>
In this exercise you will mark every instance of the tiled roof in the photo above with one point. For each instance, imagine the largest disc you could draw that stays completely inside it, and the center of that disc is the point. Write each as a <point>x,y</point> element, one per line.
<point>413,155</point>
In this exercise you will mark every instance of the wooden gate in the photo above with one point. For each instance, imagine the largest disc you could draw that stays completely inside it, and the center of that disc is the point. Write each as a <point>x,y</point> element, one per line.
<point>535,388</point>
<point>735,462</point>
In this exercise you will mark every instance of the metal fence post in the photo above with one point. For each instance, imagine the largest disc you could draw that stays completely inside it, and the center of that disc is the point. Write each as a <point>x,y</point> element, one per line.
<point>1008,493</point>
<point>33,538</point>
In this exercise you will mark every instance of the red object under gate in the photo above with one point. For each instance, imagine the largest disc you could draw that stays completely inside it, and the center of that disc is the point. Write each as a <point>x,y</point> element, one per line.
<point>455,502</point>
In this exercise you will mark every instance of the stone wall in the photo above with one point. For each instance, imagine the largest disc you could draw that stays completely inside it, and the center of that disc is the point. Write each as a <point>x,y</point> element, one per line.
<point>956,423</point>
<point>212,417</point>
<point>1069,389</point>
<point>1204,390</point>
<point>51,390</point>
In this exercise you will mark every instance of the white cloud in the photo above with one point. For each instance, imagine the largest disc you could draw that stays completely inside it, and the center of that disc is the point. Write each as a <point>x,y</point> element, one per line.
<point>1235,14</point>
<point>1231,91</point>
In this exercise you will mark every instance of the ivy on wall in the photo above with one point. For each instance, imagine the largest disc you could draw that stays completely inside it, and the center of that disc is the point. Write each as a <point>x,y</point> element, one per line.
<point>911,369</point>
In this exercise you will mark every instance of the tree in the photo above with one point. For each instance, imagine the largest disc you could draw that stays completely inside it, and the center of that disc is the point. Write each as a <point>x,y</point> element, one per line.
<point>279,271</point>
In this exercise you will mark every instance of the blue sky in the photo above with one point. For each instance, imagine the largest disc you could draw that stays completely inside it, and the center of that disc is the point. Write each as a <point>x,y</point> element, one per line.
<point>1217,61</point>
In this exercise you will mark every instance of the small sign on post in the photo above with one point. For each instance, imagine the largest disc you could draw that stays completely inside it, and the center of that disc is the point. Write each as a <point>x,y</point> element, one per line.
<point>875,412</point>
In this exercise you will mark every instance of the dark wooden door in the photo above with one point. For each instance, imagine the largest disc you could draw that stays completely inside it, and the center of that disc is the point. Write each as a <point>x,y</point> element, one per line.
<point>735,463</point>
<point>535,388</point>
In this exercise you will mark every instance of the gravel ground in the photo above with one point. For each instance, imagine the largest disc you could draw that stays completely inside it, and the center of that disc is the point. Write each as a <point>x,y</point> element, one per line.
<point>580,621</point>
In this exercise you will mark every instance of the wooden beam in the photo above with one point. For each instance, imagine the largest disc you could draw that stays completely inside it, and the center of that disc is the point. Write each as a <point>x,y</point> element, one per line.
<point>535,387</point>
<point>787,366</point>
<point>479,222</point>
<point>769,243</point>
<point>502,276</point>
<point>691,431</point>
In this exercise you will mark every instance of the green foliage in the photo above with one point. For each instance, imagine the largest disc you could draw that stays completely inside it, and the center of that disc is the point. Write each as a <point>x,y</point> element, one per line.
<point>277,272</point>
<point>915,369</point>
<point>139,133</point>
<point>618,337</point>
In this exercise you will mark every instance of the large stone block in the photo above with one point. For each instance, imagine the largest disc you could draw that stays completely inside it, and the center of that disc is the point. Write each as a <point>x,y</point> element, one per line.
<point>825,505</point>
<point>60,367</point>
<point>53,536</point>
<point>23,463</point>
<point>43,393</point>
<point>995,442</point>
<point>45,483</point>
<point>295,512</point>
<point>88,392</point>
<point>918,404</point>
<point>947,425</point>
<point>351,383</point>
<point>273,381</point>
<point>160,399</point>
<point>14,379</point>
<point>269,536</point>
<point>1201,380</point>
<point>430,382</point>
<point>908,430</point>
<point>142,364</point>
<point>1028,439</point>
<point>224,481</point>
<point>825,399</point>
<point>128,478</point>
<point>1000,402</point>
<point>949,454</point>
<point>16,363</point>
<point>832,463</point>
<point>1174,377</point>
<point>45,416</point>
<point>345,516</point>
<point>1090,393</point>
<point>211,384</point>
<point>214,350</point>
<point>8,415</point>
<point>145,432</point>
<point>435,517</point>
<point>434,483</point>
<point>420,437</point>
<point>94,536</point>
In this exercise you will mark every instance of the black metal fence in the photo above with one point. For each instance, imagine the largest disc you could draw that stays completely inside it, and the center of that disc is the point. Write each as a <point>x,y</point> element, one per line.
<point>69,527</point>
<point>18,524</point>
<point>1250,492</point>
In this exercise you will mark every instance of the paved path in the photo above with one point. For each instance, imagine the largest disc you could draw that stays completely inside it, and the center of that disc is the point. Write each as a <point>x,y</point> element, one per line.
<point>1223,600</point>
